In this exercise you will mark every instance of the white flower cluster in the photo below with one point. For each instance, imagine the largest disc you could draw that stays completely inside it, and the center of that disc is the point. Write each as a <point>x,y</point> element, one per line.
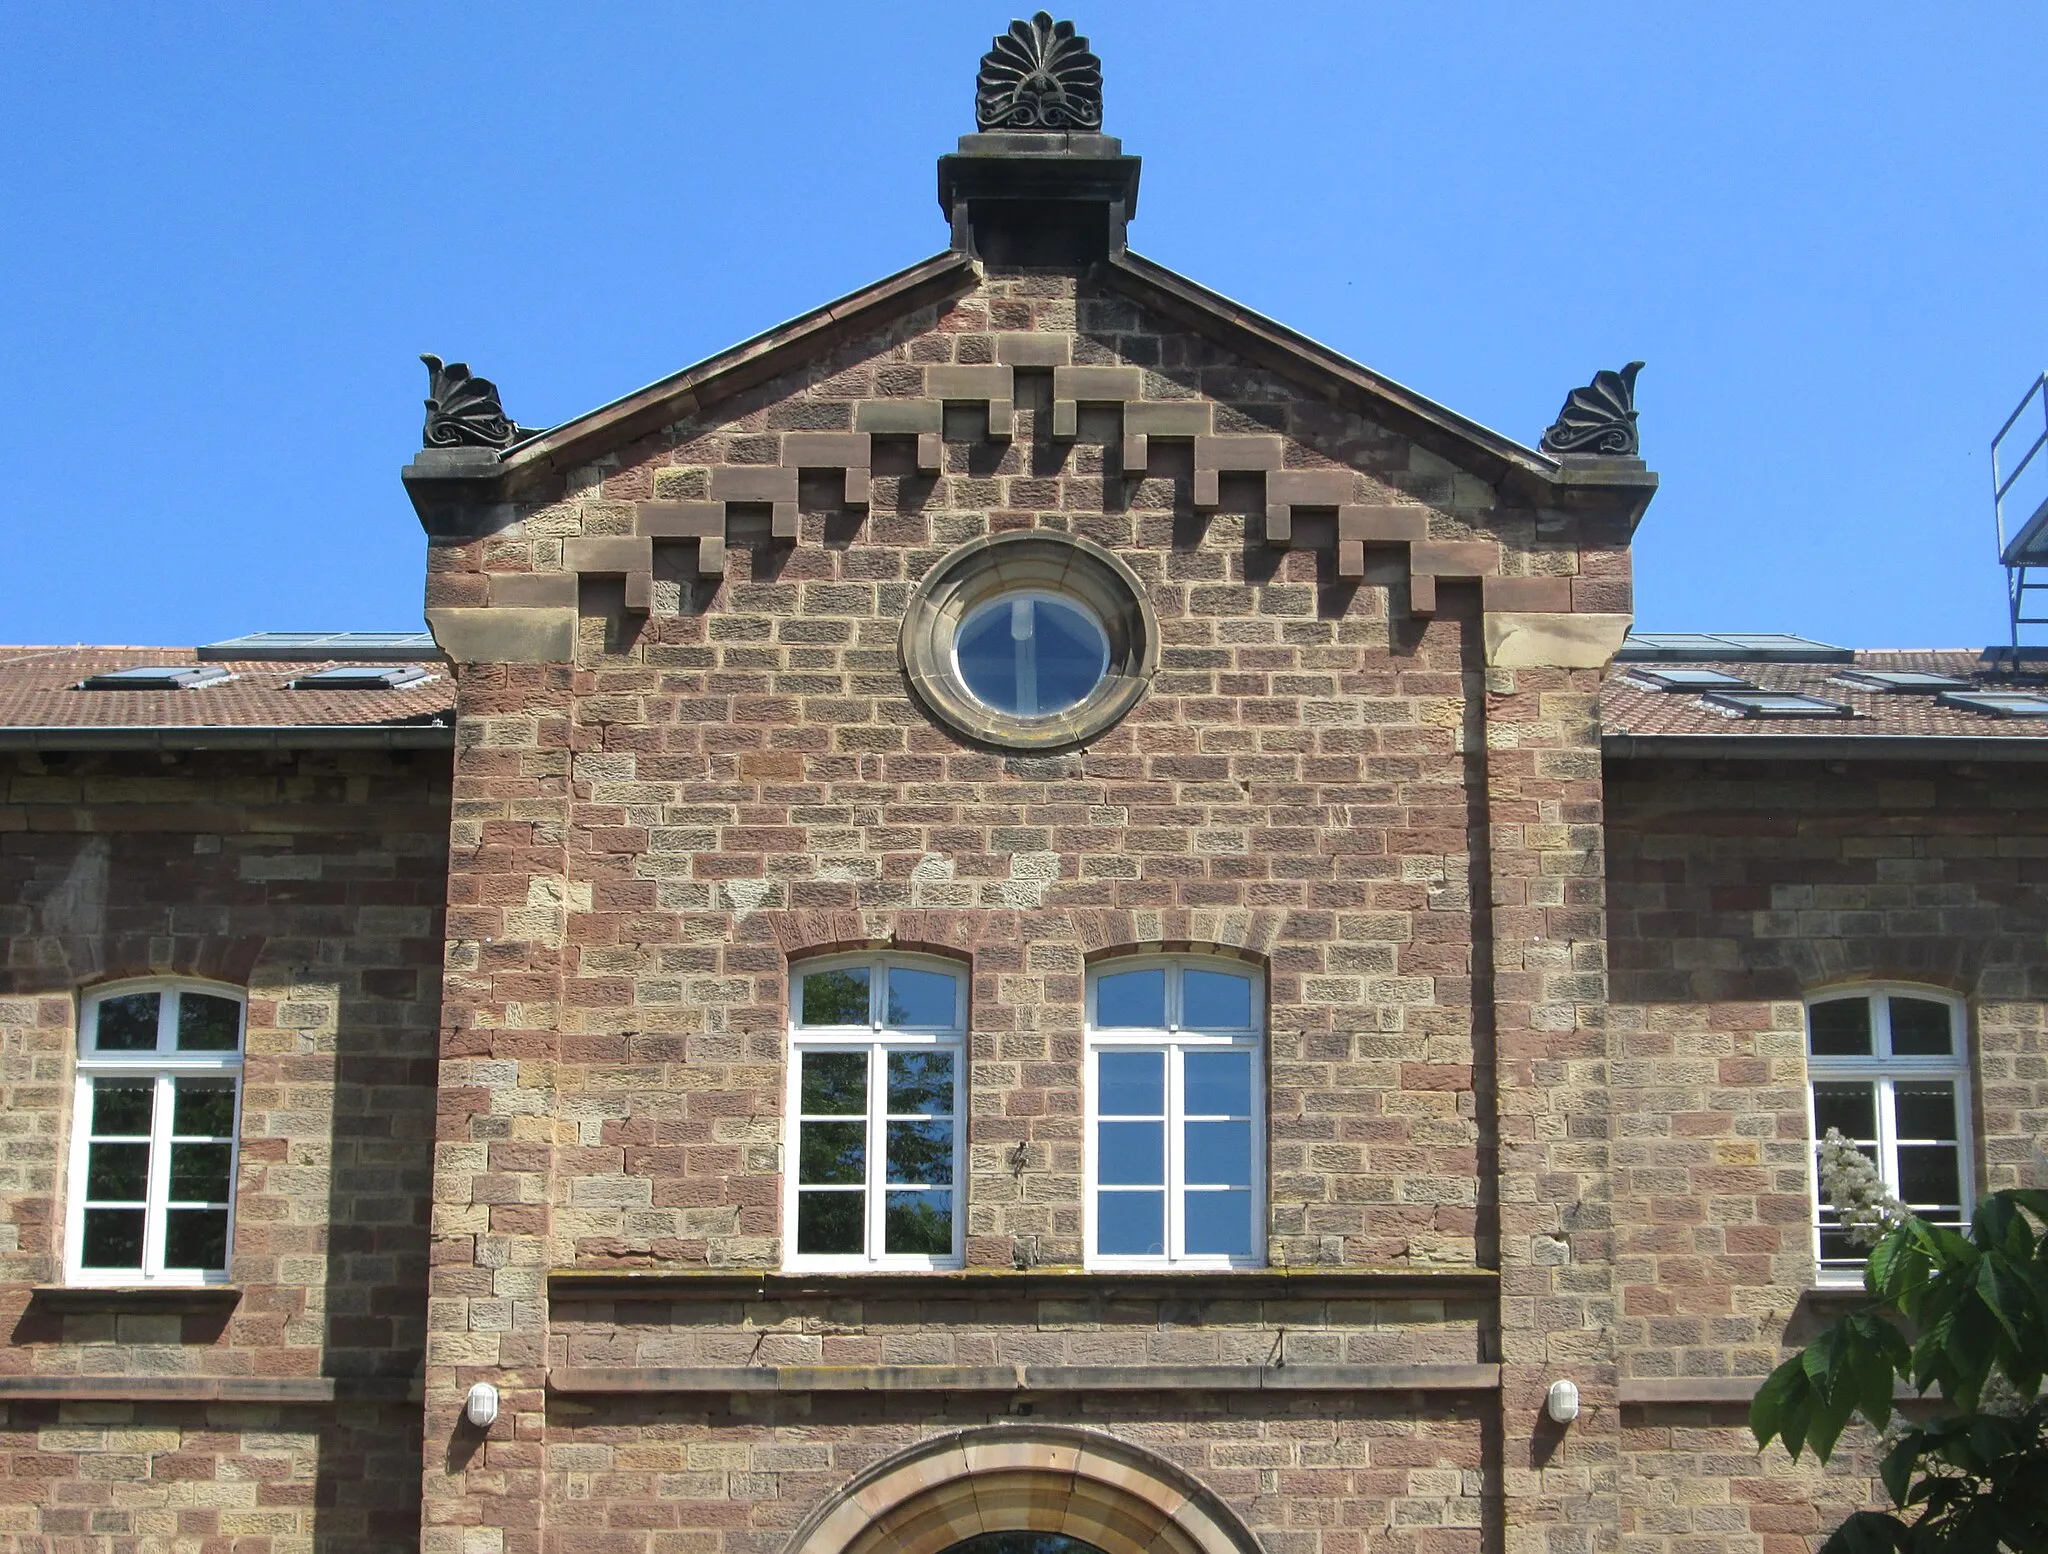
<point>1851,1183</point>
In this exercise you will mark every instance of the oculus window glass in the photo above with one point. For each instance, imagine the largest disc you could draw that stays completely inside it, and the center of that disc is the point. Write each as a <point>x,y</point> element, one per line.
<point>1176,1117</point>
<point>1886,1066</point>
<point>154,1135</point>
<point>1032,641</point>
<point>876,1085</point>
<point>1030,654</point>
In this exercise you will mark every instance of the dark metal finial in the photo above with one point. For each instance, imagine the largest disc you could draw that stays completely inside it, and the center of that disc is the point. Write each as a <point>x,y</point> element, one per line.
<point>463,410</point>
<point>1039,76</point>
<point>1599,418</point>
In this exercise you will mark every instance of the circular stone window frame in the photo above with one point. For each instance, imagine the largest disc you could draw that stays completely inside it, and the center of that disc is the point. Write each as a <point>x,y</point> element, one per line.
<point>1040,561</point>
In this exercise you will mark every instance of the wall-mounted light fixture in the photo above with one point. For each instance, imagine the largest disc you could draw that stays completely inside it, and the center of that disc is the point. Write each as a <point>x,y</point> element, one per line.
<point>480,1408</point>
<point>1561,1402</point>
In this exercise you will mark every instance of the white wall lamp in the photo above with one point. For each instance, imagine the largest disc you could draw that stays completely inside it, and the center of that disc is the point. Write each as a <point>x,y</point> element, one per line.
<point>1561,1402</point>
<point>480,1408</point>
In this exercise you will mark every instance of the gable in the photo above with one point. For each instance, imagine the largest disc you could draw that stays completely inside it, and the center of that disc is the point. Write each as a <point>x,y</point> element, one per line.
<point>1121,401</point>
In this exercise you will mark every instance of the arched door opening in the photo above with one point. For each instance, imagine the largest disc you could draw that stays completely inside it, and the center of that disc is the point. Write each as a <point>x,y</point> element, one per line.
<point>1024,1489</point>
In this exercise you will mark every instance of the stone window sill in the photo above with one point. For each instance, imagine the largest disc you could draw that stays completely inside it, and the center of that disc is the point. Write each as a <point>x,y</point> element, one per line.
<point>137,1299</point>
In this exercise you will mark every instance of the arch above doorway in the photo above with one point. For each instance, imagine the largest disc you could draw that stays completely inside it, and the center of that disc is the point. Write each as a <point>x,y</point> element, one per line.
<point>1082,1484</point>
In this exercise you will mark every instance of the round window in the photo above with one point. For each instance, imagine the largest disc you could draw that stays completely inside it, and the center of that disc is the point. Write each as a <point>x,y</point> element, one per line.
<point>1032,641</point>
<point>1030,654</point>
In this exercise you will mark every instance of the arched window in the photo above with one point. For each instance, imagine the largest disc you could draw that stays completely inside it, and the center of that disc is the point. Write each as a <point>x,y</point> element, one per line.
<point>1886,1066</point>
<point>876,1053</point>
<point>154,1130</point>
<point>1176,1114</point>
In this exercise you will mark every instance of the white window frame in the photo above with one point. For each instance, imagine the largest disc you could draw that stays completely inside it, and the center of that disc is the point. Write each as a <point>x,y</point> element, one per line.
<point>1884,1070</point>
<point>877,1040</point>
<point>166,1065</point>
<point>1176,1042</point>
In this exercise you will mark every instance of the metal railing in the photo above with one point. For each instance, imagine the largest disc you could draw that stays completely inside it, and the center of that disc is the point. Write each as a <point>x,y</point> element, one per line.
<point>2017,582</point>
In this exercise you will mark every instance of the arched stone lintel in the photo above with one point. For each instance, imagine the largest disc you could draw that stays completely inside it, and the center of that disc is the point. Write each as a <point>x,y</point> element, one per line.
<point>802,935</point>
<point>1021,1478</point>
<point>1245,934</point>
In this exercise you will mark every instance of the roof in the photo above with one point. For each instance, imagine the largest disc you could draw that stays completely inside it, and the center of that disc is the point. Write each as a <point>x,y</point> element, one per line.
<point>1641,720</point>
<point>42,706</point>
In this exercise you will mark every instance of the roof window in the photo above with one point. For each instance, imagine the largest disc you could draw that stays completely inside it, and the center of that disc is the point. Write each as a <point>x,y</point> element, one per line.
<point>2000,704</point>
<point>301,646</point>
<point>1683,679</point>
<point>362,677</point>
<point>1759,647</point>
<point>1899,680</point>
<point>156,677</point>
<point>1777,704</point>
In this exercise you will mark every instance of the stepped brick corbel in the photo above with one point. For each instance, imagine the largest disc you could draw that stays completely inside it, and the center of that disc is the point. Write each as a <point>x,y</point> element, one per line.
<point>924,419</point>
<point>1073,387</point>
<point>703,522</point>
<point>1181,419</point>
<point>994,385</point>
<point>1216,457</point>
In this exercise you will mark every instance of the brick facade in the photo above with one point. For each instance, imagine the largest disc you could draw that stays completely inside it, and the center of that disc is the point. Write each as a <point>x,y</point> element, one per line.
<point>314,880</point>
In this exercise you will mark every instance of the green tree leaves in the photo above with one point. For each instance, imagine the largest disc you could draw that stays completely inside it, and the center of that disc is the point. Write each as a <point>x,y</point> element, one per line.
<point>1959,1314</point>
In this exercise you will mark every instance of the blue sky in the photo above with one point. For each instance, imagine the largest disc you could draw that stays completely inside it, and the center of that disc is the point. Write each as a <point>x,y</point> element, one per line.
<point>230,230</point>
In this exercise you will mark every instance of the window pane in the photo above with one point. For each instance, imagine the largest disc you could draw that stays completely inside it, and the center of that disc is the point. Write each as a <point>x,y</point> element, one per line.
<point>1925,1109</point>
<point>1839,1028</point>
<point>919,1152</point>
<point>918,1222</point>
<point>205,1109</point>
<point>117,1171</point>
<point>196,1238</point>
<point>830,1222</point>
<point>1920,1028</point>
<point>128,1023</point>
<point>1219,1084</point>
<point>921,1083</point>
<point>123,1106</point>
<point>1130,1224</point>
<point>1133,1084</point>
<point>835,1084</point>
<point>1930,1176</point>
<point>1850,1107</point>
<point>1131,1153</point>
<point>1030,655</point>
<point>1219,1224</point>
<point>113,1238</point>
<point>208,1024</point>
<point>199,1172</point>
<point>1215,1001</point>
<point>833,1152</point>
<point>836,997</point>
<point>922,999</point>
<point>1836,1244</point>
<point>1219,1154</point>
<point>1132,998</point>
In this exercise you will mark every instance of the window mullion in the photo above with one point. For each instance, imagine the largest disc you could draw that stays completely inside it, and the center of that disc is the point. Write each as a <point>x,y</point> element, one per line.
<point>1887,1136</point>
<point>155,1219</point>
<point>878,1130</point>
<point>1176,1173</point>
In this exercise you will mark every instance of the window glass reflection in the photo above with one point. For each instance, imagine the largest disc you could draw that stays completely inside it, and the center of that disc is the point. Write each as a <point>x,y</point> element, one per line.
<point>1031,654</point>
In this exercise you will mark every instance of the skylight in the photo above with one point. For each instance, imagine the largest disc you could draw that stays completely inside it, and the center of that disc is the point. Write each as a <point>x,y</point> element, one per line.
<point>370,646</point>
<point>1764,647</point>
<point>1900,680</point>
<point>2000,704</point>
<point>362,677</point>
<point>156,677</point>
<point>1777,704</point>
<point>1680,679</point>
